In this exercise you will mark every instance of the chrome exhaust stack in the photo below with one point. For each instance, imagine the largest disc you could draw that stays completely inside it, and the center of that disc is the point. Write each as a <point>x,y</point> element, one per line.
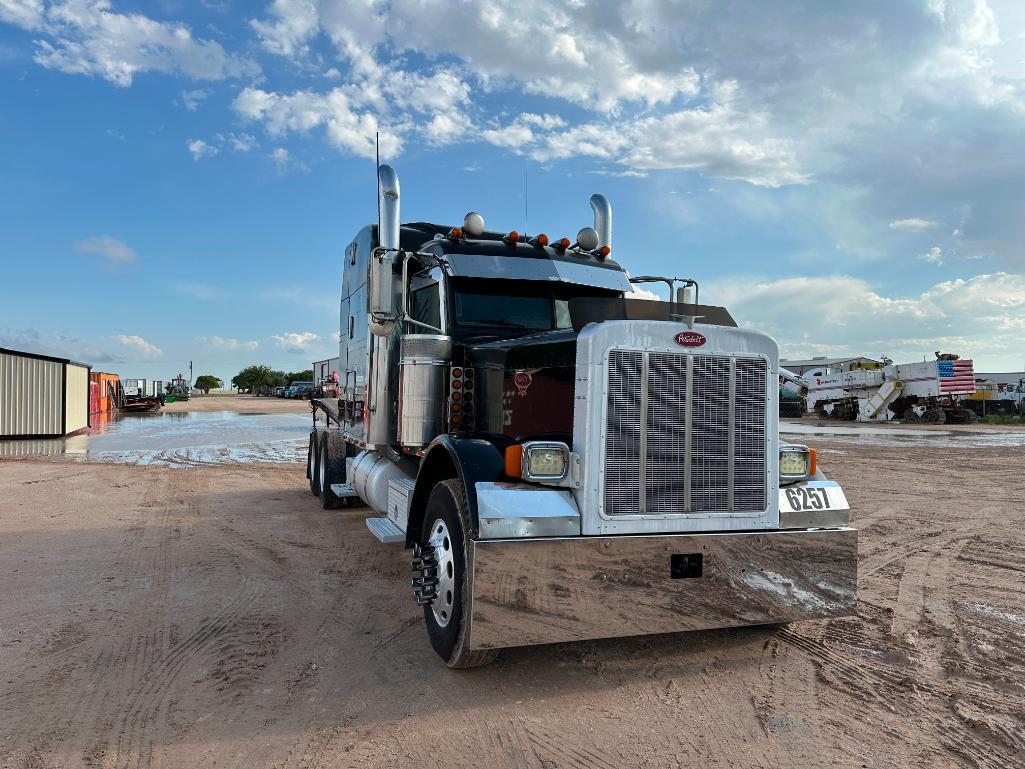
<point>602,219</point>
<point>386,255</point>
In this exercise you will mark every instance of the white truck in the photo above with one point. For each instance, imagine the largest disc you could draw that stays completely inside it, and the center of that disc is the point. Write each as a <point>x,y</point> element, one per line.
<point>565,462</point>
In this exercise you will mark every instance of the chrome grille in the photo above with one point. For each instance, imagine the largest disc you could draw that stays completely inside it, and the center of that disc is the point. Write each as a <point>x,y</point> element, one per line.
<point>692,427</point>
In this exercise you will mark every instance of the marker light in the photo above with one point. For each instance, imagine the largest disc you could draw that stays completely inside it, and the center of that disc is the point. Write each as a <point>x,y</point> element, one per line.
<point>455,233</point>
<point>562,243</point>
<point>512,238</point>
<point>541,240</point>
<point>604,251</point>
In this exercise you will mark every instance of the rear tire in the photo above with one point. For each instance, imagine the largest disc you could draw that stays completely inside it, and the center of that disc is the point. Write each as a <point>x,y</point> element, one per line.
<point>330,468</point>
<point>444,530</point>
<point>311,463</point>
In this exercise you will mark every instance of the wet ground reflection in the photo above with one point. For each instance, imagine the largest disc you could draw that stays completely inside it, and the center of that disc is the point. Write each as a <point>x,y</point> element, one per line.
<point>181,439</point>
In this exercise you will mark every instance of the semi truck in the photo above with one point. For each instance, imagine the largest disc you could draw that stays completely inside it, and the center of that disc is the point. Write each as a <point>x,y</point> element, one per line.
<point>562,461</point>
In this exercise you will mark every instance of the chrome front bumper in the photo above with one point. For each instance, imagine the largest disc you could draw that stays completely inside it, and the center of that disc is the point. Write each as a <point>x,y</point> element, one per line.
<point>535,591</point>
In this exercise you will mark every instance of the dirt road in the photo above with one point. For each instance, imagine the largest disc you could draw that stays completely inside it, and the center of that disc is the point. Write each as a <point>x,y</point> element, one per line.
<point>168,617</point>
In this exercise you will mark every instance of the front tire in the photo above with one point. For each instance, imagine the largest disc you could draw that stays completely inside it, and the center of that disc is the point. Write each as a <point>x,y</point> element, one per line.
<point>444,531</point>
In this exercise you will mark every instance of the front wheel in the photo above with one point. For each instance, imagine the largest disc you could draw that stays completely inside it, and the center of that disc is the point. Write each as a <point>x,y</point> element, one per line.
<point>443,537</point>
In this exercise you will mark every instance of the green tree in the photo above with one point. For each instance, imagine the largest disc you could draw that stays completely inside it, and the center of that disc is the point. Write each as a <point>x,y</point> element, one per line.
<point>300,376</point>
<point>257,379</point>
<point>207,382</point>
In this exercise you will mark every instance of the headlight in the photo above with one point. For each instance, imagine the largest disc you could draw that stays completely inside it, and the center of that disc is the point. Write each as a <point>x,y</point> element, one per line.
<point>796,463</point>
<point>537,460</point>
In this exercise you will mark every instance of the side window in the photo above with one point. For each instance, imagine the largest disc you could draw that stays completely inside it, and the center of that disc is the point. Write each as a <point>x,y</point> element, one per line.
<point>562,319</point>
<point>426,305</point>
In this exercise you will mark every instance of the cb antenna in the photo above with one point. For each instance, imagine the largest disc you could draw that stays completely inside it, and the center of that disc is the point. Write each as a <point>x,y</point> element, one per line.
<point>526,198</point>
<point>377,175</point>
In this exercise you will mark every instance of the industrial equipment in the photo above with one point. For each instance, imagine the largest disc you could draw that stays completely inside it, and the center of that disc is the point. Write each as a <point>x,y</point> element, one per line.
<point>563,461</point>
<point>913,392</point>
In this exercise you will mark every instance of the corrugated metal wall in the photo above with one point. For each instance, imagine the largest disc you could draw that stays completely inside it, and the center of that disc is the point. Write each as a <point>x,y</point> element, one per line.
<point>31,396</point>
<point>76,398</point>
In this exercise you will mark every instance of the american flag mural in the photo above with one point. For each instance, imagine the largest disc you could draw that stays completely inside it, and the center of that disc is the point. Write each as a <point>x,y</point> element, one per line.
<point>956,377</point>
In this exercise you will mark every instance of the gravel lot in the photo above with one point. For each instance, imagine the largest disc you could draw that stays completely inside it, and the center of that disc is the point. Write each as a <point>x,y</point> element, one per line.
<point>215,615</point>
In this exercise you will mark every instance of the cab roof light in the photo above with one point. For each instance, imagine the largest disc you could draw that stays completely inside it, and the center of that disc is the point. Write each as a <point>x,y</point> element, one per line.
<point>539,240</point>
<point>512,238</point>
<point>562,244</point>
<point>455,233</point>
<point>603,252</point>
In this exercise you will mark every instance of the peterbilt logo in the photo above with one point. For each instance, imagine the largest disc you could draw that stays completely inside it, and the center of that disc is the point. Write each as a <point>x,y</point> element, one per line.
<point>690,339</point>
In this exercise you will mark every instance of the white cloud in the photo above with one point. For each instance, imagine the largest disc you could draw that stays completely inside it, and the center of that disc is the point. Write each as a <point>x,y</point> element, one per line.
<point>982,317</point>
<point>114,252</point>
<point>294,23</point>
<point>295,341</point>
<point>280,158</point>
<point>242,142</point>
<point>200,149</point>
<point>934,256</point>
<point>221,343</point>
<point>27,14</point>
<point>913,225</point>
<point>139,348</point>
<point>56,344</point>
<point>192,100</point>
<point>87,37</point>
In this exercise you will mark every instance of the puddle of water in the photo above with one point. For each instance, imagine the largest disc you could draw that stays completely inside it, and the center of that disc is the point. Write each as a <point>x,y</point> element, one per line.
<point>870,435</point>
<point>181,439</point>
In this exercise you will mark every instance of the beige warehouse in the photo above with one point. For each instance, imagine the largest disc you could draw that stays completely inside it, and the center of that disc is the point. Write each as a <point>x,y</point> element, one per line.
<point>42,396</point>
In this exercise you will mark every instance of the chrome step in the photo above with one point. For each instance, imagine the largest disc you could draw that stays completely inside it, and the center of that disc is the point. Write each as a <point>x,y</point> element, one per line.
<point>344,490</point>
<point>385,530</point>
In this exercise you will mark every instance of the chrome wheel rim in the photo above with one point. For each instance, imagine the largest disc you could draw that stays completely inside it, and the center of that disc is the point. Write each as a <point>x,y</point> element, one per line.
<point>442,544</point>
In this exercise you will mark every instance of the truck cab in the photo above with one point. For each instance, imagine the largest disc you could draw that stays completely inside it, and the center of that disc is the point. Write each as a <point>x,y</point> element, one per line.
<point>563,460</point>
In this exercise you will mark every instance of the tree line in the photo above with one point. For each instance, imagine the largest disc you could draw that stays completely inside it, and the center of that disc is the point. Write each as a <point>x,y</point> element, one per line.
<point>257,379</point>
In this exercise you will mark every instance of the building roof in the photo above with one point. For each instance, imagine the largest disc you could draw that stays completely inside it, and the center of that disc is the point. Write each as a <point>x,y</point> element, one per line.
<point>40,356</point>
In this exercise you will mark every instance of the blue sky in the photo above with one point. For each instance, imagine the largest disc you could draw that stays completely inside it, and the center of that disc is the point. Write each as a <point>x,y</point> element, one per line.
<point>179,179</point>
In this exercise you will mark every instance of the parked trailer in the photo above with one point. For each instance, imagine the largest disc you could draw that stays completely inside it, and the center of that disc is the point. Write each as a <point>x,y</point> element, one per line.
<point>915,392</point>
<point>564,462</point>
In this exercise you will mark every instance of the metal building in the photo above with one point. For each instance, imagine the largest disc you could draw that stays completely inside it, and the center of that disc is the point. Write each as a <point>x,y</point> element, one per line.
<point>42,396</point>
<point>322,369</point>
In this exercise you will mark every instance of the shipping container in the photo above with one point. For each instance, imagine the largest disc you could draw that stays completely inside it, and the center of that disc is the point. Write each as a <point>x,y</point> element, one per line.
<point>42,396</point>
<point>104,392</point>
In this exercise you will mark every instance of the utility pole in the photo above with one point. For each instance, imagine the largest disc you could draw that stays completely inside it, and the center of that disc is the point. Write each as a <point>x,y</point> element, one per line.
<point>190,377</point>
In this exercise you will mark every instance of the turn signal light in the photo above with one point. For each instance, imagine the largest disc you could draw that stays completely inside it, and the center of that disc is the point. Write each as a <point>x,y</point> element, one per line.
<point>514,461</point>
<point>813,462</point>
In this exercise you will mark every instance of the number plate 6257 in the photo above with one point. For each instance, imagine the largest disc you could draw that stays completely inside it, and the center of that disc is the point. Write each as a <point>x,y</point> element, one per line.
<point>814,495</point>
